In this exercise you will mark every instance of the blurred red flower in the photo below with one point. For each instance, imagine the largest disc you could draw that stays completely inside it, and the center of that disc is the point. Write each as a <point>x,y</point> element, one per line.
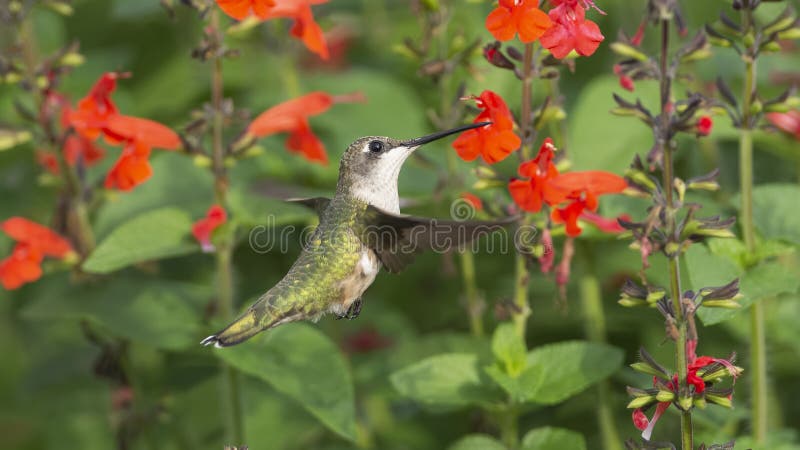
<point>570,30</point>
<point>473,200</point>
<point>704,125</point>
<point>625,81</point>
<point>292,117</point>
<point>530,194</point>
<point>34,242</point>
<point>512,17</point>
<point>305,27</point>
<point>788,122</point>
<point>493,142</point>
<point>97,115</point>
<point>240,9</point>
<point>203,228</point>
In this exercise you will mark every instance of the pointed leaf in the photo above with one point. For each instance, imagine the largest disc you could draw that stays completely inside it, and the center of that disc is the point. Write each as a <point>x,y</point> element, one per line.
<point>301,362</point>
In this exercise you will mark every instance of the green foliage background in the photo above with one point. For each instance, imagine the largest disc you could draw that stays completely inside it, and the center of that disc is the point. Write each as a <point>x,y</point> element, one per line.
<point>301,389</point>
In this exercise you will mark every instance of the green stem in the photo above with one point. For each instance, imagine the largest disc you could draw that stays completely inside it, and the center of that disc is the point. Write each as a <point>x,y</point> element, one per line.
<point>758,357</point>
<point>666,146</point>
<point>522,309</point>
<point>474,303</point>
<point>594,323</point>
<point>509,427</point>
<point>231,396</point>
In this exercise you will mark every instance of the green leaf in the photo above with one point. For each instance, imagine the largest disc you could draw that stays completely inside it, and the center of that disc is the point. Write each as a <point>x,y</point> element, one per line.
<point>477,442</point>
<point>449,380</point>
<point>155,312</point>
<point>301,362</point>
<point>519,388</point>
<point>158,234</point>
<point>775,211</point>
<point>765,280</point>
<point>566,368</point>
<point>509,349</point>
<point>611,142</point>
<point>549,438</point>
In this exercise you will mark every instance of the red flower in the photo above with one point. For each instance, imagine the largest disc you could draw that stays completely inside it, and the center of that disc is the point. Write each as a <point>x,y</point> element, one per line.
<point>240,9</point>
<point>304,28</point>
<point>493,142</point>
<point>604,224</point>
<point>512,17</point>
<point>34,242</point>
<point>203,228</point>
<point>625,81</point>
<point>788,122</point>
<point>530,194</point>
<point>473,200</point>
<point>704,125</point>
<point>143,131</point>
<point>94,109</point>
<point>571,31</point>
<point>131,169</point>
<point>292,117</point>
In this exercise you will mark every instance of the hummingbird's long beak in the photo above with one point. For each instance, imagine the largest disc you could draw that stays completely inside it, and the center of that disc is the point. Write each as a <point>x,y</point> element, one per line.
<point>438,135</point>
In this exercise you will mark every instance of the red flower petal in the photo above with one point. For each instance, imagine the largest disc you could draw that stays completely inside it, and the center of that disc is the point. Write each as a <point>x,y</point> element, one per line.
<point>788,122</point>
<point>147,132</point>
<point>36,236</point>
<point>93,110</point>
<point>131,169</point>
<point>302,140</point>
<point>704,125</point>
<point>21,267</point>
<point>473,200</point>
<point>240,9</point>
<point>203,228</point>
<point>639,419</point>
<point>493,142</point>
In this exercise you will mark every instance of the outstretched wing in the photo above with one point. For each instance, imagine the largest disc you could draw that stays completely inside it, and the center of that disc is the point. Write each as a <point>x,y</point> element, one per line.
<point>396,239</point>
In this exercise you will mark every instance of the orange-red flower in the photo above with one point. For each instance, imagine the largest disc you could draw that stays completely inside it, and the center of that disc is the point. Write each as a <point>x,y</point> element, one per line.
<point>34,242</point>
<point>512,17</point>
<point>131,169</point>
<point>545,185</point>
<point>530,194</point>
<point>305,27</point>
<point>203,228</point>
<point>240,9</point>
<point>292,117</point>
<point>97,115</point>
<point>473,200</point>
<point>493,142</point>
<point>571,31</point>
<point>788,122</point>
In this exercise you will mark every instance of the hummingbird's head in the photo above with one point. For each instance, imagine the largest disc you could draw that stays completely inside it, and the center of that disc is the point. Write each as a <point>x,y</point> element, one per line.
<point>371,165</point>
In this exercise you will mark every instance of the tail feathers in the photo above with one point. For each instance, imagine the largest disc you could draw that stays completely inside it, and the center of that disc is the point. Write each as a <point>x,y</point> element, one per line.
<point>240,330</point>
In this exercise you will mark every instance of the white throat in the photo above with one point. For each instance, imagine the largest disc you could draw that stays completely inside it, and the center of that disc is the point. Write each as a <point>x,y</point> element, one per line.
<point>379,187</point>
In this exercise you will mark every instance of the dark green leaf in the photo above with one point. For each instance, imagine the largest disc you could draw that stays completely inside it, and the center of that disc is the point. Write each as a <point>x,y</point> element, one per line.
<point>549,438</point>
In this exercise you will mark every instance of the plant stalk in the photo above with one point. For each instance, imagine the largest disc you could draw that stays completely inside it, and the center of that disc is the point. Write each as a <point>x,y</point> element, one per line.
<point>758,357</point>
<point>666,146</point>
<point>231,396</point>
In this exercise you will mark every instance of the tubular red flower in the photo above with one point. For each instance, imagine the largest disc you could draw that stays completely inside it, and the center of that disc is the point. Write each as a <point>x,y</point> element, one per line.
<point>788,122</point>
<point>512,17</point>
<point>43,239</point>
<point>292,117</point>
<point>704,125</point>
<point>571,31</point>
<point>240,9</point>
<point>493,142</point>
<point>203,228</point>
<point>473,200</point>
<point>21,267</point>
<point>93,110</point>
<point>143,131</point>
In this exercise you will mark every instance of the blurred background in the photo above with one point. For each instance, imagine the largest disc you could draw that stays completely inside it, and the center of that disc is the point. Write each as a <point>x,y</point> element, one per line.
<point>60,380</point>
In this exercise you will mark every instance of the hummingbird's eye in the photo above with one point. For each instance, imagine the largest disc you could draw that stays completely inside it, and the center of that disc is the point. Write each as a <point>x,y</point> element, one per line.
<point>376,146</point>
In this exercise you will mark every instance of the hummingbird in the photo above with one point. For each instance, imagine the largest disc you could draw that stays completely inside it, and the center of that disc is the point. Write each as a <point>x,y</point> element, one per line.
<point>360,231</point>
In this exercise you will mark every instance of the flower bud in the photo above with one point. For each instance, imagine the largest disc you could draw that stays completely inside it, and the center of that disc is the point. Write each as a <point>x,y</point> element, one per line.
<point>494,54</point>
<point>201,161</point>
<point>63,8</point>
<point>628,51</point>
<point>72,59</point>
<point>641,402</point>
<point>11,138</point>
<point>665,396</point>
<point>685,403</point>
<point>719,400</point>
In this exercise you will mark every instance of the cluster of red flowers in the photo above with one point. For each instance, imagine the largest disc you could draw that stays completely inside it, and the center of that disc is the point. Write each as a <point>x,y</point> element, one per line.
<point>96,115</point>
<point>292,117</point>
<point>304,28</point>
<point>34,242</point>
<point>562,30</point>
<point>693,379</point>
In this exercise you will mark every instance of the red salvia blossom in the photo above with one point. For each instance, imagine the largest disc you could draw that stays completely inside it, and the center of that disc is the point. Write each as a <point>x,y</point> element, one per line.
<point>96,115</point>
<point>34,242</point>
<point>292,117</point>
<point>203,228</point>
<point>305,27</point>
<point>788,122</point>
<point>570,30</point>
<point>544,185</point>
<point>493,142</point>
<point>473,200</point>
<point>512,17</point>
<point>625,81</point>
